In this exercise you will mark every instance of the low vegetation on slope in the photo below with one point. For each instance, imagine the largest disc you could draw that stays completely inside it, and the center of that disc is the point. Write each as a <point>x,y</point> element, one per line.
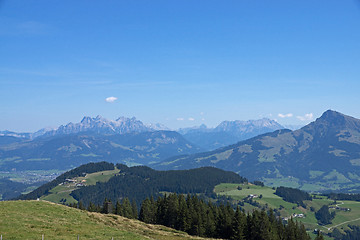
<point>32,219</point>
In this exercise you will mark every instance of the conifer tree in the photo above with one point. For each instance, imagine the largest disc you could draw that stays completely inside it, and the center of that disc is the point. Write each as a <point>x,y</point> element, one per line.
<point>92,207</point>
<point>182,222</point>
<point>224,221</point>
<point>126,209</point>
<point>209,221</point>
<point>134,208</point>
<point>107,206</point>
<point>238,225</point>
<point>146,211</point>
<point>81,205</point>
<point>118,208</point>
<point>172,209</point>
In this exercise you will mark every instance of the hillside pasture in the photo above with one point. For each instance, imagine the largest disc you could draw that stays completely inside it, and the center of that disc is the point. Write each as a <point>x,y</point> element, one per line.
<point>287,209</point>
<point>32,219</point>
<point>63,191</point>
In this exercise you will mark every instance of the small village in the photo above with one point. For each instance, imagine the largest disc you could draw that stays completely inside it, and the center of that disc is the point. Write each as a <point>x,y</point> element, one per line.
<point>73,182</point>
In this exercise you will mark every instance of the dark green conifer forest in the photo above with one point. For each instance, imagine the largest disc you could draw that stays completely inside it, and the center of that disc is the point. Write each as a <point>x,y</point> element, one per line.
<point>140,182</point>
<point>193,215</point>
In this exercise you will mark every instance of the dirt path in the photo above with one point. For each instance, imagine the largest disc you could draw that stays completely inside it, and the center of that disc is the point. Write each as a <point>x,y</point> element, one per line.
<point>342,224</point>
<point>329,228</point>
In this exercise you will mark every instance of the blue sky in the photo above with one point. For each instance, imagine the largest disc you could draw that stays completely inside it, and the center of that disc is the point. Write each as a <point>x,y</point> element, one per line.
<point>180,63</point>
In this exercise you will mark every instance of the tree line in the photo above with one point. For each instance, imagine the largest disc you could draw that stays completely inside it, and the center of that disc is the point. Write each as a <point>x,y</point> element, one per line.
<point>293,195</point>
<point>344,196</point>
<point>195,216</point>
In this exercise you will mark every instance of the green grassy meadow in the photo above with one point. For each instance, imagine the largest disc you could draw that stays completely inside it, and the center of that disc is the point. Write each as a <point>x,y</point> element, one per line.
<point>287,209</point>
<point>32,219</point>
<point>62,192</point>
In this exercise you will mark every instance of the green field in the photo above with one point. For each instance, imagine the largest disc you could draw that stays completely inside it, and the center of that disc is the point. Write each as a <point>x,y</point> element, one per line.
<point>286,209</point>
<point>33,219</point>
<point>63,191</point>
<point>267,193</point>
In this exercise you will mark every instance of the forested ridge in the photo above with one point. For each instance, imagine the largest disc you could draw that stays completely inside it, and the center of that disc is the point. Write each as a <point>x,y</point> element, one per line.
<point>141,182</point>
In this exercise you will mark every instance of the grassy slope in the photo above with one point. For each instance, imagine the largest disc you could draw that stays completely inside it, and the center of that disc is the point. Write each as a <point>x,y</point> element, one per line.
<point>274,201</point>
<point>63,191</point>
<point>32,219</point>
<point>268,196</point>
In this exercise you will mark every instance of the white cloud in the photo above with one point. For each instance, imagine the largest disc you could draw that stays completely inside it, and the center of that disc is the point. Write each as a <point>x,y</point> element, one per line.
<point>202,113</point>
<point>191,119</point>
<point>111,99</point>
<point>306,117</point>
<point>288,115</point>
<point>180,119</point>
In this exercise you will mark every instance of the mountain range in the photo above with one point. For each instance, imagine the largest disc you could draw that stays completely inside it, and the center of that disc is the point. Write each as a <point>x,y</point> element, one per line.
<point>97,124</point>
<point>71,150</point>
<point>125,140</point>
<point>323,155</point>
<point>228,132</point>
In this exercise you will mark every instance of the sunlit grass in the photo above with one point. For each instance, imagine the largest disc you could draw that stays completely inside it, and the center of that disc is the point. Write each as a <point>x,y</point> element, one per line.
<point>32,219</point>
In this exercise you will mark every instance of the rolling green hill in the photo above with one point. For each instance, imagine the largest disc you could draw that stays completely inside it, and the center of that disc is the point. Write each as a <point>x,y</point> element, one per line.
<point>32,219</point>
<point>94,182</point>
<point>324,155</point>
<point>265,198</point>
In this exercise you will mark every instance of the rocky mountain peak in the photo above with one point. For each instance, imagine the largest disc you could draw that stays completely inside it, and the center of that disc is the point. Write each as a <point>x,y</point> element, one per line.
<point>335,120</point>
<point>101,125</point>
<point>332,116</point>
<point>86,119</point>
<point>331,123</point>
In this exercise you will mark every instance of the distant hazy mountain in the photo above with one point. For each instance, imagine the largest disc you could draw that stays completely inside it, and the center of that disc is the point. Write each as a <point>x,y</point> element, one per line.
<point>157,127</point>
<point>102,125</point>
<point>246,129</point>
<point>202,128</point>
<point>71,150</point>
<point>98,124</point>
<point>293,127</point>
<point>323,155</point>
<point>24,136</point>
<point>228,132</point>
<point>42,132</point>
